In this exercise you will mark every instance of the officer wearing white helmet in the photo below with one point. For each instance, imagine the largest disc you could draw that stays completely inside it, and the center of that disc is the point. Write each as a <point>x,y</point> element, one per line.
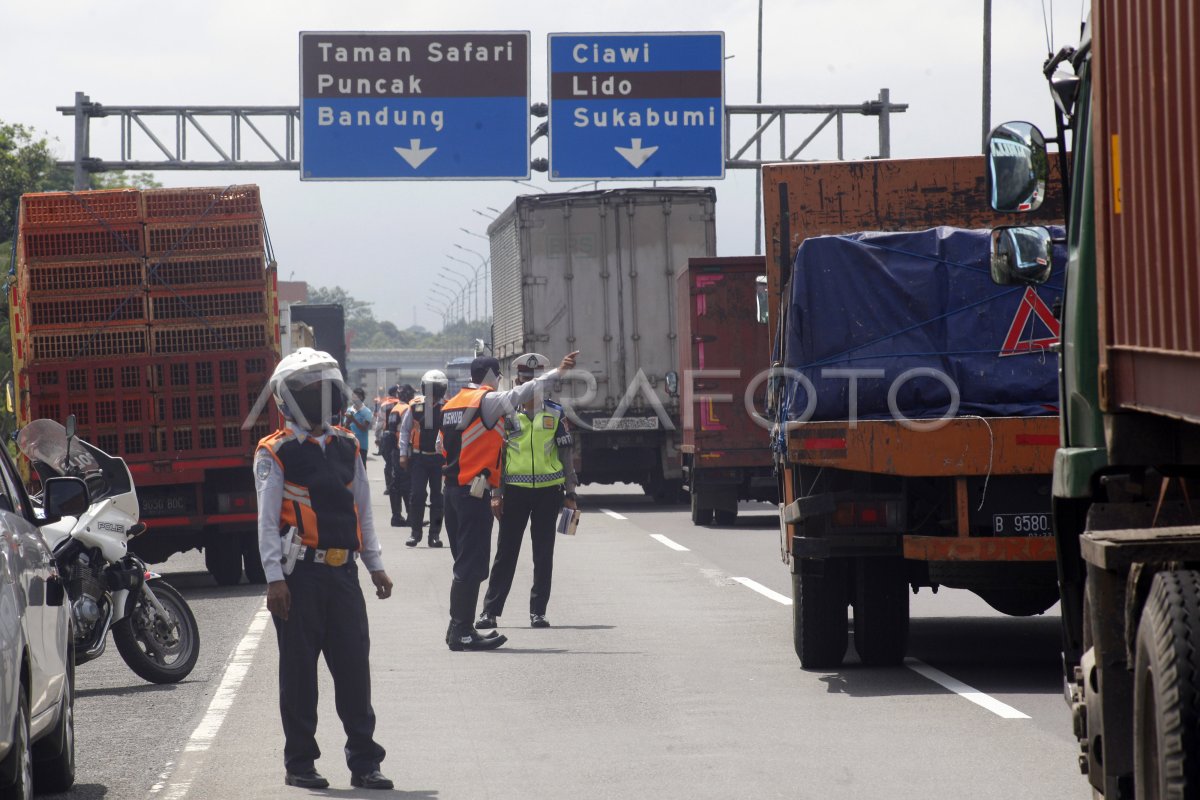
<point>537,480</point>
<point>314,522</point>
<point>421,454</point>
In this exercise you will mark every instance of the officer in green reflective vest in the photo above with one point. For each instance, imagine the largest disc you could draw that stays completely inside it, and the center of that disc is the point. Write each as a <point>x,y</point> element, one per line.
<point>538,480</point>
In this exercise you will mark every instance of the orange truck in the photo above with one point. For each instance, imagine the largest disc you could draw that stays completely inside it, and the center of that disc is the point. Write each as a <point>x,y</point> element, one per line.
<point>872,505</point>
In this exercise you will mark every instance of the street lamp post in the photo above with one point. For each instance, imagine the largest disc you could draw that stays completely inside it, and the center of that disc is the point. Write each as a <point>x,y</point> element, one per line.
<point>476,272</point>
<point>484,264</point>
<point>451,296</point>
<point>446,272</point>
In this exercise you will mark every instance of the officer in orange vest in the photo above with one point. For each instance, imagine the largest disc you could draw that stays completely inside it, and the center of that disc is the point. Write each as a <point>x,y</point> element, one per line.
<point>399,486</point>
<point>474,445</point>
<point>387,442</point>
<point>314,522</point>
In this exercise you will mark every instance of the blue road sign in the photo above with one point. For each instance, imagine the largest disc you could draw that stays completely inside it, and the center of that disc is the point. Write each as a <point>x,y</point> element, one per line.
<point>637,105</point>
<point>414,106</point>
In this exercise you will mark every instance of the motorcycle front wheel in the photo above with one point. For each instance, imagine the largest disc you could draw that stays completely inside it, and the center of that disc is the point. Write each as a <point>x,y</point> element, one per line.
<point>157,650</point>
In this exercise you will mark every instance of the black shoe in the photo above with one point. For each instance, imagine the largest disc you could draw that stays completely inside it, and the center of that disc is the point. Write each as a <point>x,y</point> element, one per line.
<point>413,540</point>
<point>371,780</point>
<point>306,780</point>
<point>435,541</point>
<point>538,621</point>
<point>486,621</point>
<point>464,637</point>
<point>399,522</point>
<point>387,491</point>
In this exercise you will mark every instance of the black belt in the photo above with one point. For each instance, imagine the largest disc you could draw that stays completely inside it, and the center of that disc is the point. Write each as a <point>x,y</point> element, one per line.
<point>332,556</point>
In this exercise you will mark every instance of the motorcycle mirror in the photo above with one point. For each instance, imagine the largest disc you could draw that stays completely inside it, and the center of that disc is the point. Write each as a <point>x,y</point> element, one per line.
<point>71,427</point>
<point>64,497</point>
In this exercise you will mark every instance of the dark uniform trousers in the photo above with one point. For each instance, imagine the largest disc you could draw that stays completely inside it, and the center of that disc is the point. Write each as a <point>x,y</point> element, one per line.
<point>328,616</point>
<point>539,509</point>
<point>469,528</point>
<point>425,474</point>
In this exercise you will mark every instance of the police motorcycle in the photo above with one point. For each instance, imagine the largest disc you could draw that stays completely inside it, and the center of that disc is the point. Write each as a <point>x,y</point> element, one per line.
<point>92,511</point>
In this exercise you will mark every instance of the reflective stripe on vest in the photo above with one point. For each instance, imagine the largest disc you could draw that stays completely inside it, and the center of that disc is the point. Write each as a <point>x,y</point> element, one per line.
<point>531,452</point>
<point>470,447</point>
<point>318,498</point>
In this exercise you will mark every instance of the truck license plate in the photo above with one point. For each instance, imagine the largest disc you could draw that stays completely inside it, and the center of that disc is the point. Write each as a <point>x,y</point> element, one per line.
<point>625,423</point>
<point>1022,524</point>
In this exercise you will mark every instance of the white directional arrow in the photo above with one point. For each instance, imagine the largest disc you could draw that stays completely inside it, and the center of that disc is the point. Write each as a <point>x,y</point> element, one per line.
<point>414,154</point>
<point>637,154</point>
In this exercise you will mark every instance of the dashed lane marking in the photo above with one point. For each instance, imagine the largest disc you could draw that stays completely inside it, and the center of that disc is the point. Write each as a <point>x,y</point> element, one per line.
<point>668,542</point>
<point>764,591</point>
<point>177,785</point>
<point>613,514</point>
<point>963,690</point>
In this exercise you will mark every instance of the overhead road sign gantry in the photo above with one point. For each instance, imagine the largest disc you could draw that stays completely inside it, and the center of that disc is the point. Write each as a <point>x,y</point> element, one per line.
<point>414,106</point>
<point>628,106</point>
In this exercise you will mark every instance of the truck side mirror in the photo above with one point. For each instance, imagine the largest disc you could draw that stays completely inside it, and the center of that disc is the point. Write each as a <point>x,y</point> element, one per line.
<point>64,497</point>
<point>1017,167</point>
<point>1021,255</point>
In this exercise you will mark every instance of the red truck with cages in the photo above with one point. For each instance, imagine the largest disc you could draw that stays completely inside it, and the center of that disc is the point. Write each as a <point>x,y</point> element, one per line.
<point>721,305</point>
<point>151,316</point>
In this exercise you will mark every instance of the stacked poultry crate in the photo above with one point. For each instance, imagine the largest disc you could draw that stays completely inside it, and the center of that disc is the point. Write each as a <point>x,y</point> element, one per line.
<point>149,315</point>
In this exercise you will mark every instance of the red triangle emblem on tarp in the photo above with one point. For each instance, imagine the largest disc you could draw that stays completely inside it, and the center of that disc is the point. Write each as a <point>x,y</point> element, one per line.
<point>1031,306</point>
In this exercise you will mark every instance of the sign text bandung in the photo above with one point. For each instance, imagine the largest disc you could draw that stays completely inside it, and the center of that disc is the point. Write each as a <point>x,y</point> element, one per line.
<point>415,106</point>
<point>628,106</point>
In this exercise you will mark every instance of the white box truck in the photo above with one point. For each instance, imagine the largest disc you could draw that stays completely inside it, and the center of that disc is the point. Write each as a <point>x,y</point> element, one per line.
<point>595,272</point>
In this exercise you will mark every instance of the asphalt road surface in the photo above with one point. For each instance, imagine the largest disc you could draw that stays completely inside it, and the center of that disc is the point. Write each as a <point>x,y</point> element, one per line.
<point>668,673</point>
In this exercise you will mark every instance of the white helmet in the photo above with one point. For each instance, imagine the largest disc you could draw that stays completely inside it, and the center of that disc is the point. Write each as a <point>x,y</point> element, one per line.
<point>530,364</point>
<point>434,383</point>
<point>308,387</point>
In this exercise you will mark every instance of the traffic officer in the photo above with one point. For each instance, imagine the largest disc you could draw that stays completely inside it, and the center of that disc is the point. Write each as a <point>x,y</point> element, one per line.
<point>399,486</point>
<point>314,521</point>
<point>473,444</point>
<point>387,449</point>
<point>421,455</point>
<point>539,479</point>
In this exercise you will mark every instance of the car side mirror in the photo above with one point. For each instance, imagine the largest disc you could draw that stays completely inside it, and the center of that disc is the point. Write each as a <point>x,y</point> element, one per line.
<point>64,497</point>
<point>1021,255</point>
<point>1018,167</point>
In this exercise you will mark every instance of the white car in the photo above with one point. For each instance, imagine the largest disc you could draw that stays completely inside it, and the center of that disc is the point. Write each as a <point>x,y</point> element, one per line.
<point>37,693</point>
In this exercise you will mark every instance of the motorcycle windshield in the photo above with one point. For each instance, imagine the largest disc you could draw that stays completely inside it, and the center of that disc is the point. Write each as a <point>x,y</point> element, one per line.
<point>44,442</point>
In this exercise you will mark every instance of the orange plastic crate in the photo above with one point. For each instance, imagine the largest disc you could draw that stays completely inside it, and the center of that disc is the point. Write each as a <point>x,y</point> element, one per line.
<point>90,242</point>
<point>209,203</point>
<point>58,311</point>
<point>208,305</point>
<point>82,276</point>
<point>203,237</point>
<point>62,345</point>
<point>189,339</point>
<point>81,208</point>
<point>225,270</point>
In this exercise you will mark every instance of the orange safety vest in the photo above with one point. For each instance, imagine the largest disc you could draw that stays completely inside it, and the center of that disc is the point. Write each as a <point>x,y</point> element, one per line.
<point>318,494</point>
<point>432,443</point>
<point>470,447</point>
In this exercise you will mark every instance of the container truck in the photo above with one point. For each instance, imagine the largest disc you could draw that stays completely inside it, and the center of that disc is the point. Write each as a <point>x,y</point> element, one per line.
<point>595,272</point>
<point>1126,470</point>
<point>151,316</point>
<point>721,309</point>
<point>915,402</point>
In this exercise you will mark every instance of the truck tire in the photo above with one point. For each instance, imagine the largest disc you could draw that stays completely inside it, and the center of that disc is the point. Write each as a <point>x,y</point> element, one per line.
<point>1166,689</point>
<point>881,611</point>
<point>726,517</point>
<point>819,631</point>
<point>223,559</point>
<point>700,516</point>
<point>251,560</point>
<point>1021,600</point>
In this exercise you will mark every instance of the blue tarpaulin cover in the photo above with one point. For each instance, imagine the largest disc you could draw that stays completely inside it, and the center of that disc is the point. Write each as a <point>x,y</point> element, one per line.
<point>925,300</point>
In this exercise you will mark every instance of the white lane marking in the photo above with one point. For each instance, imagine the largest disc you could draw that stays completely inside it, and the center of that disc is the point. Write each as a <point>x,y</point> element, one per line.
<point>668,542</point>
<point>613,514</point>
<point>177,786</point>
<point>963,690</point>
<point>764,591</point>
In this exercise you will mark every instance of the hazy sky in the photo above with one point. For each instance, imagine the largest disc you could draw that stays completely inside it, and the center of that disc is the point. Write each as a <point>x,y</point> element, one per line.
<point>385,242</point>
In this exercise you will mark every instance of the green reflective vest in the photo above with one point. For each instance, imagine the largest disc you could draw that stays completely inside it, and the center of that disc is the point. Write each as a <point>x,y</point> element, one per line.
<point>531,452</point>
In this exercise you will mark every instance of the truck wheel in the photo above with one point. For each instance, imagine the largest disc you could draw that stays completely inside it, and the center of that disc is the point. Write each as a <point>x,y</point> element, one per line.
<point>223,558</point>
<point>1166,689</point>
<point>726,517</point>
<point>252,561</point>
<point>819,616</point>
<point>700,516</point>
<point>881,611</point>
<point>1021,600</point>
